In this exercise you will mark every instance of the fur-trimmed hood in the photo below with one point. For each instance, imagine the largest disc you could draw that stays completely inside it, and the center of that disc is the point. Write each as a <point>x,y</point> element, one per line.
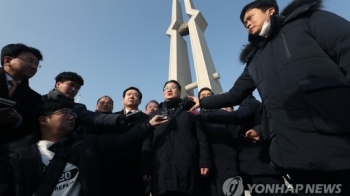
<point>294,5</point>
<point>292,10</point>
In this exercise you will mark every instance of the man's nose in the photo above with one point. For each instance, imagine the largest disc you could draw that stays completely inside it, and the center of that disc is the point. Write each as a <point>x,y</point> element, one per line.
<point>247,25</point>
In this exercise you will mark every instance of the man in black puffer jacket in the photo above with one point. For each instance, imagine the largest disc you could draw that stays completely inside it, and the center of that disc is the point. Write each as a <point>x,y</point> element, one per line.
<point>299,62</point>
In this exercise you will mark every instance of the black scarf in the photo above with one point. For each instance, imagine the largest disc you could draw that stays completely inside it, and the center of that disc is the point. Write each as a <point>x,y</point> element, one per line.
<point>173,103</point>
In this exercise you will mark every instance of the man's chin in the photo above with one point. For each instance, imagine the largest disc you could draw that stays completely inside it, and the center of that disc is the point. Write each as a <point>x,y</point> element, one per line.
<point>132,105</point>
<point>70,128</point>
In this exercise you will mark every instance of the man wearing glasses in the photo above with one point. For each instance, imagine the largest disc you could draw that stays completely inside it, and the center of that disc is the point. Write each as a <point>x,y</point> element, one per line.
<point>57,161</point>
<point>19,63</point>
<point>105,105</point>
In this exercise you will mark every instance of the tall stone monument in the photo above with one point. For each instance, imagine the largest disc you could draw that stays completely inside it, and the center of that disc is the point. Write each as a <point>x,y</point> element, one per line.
<point>179,64</point>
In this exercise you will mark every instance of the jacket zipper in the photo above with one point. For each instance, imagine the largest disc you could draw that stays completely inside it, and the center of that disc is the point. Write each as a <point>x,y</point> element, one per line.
<point>286,46</point>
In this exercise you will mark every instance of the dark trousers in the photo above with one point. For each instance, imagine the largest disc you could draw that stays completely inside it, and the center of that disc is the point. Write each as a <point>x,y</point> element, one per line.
<point>262,179</point>
<point>342,179</point>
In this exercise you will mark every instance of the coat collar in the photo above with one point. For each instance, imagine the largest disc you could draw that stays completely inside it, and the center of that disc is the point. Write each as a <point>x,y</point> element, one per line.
<point>291,12</point>
<point>56,94</point>
<point>257,41</point>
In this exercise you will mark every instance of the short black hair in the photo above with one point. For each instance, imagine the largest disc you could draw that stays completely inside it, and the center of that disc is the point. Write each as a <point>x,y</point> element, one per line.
<point>107,97</point>
<point>152,101</point>
<point>205,89</point>
<point>259,4</point>
<point>173,81</point>
<point>49,106</point>
<point>69,76</point>
<point>133,88</point>
<point>14,50</point>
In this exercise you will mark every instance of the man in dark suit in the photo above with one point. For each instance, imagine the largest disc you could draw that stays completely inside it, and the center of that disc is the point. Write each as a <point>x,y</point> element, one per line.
<point>127,166</point>
<point>19,63</point>
<point>105,105</point>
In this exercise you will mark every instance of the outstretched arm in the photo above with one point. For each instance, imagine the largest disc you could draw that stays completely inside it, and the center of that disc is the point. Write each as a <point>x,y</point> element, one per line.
<point>117,143</point>
<point>243,87</point>
<point>247,112</point>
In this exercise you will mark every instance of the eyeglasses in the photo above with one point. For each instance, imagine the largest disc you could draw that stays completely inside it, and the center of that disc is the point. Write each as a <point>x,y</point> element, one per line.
<point>30,60</point>
<point>169,88</point>
<point>65,113</point>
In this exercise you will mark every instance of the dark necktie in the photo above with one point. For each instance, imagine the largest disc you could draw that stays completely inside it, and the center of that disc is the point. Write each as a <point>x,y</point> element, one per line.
<point>12,89</point>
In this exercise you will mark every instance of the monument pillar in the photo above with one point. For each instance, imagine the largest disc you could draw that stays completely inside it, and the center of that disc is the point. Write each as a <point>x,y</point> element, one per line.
<point>179,65</point>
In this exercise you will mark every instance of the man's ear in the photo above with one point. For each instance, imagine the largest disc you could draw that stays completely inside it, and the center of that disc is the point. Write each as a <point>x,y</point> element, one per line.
<point>7,59</point>
<point>58,84</point>
<point>42,121</point>
<point>271,11</point>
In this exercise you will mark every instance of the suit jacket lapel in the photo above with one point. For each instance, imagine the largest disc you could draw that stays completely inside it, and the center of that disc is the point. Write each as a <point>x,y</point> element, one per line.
<point>21,91</point>
<point>3,85</point>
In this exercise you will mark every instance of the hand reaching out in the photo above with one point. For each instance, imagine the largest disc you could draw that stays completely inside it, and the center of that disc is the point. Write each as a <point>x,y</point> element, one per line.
<point>157,120</point>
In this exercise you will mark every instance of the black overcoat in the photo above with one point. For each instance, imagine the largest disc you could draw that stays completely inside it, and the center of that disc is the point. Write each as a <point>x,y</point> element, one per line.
<point>179,148</point>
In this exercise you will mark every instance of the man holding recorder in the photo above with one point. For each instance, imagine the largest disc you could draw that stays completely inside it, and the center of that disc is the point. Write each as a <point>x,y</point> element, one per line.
<point>19,63</point>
